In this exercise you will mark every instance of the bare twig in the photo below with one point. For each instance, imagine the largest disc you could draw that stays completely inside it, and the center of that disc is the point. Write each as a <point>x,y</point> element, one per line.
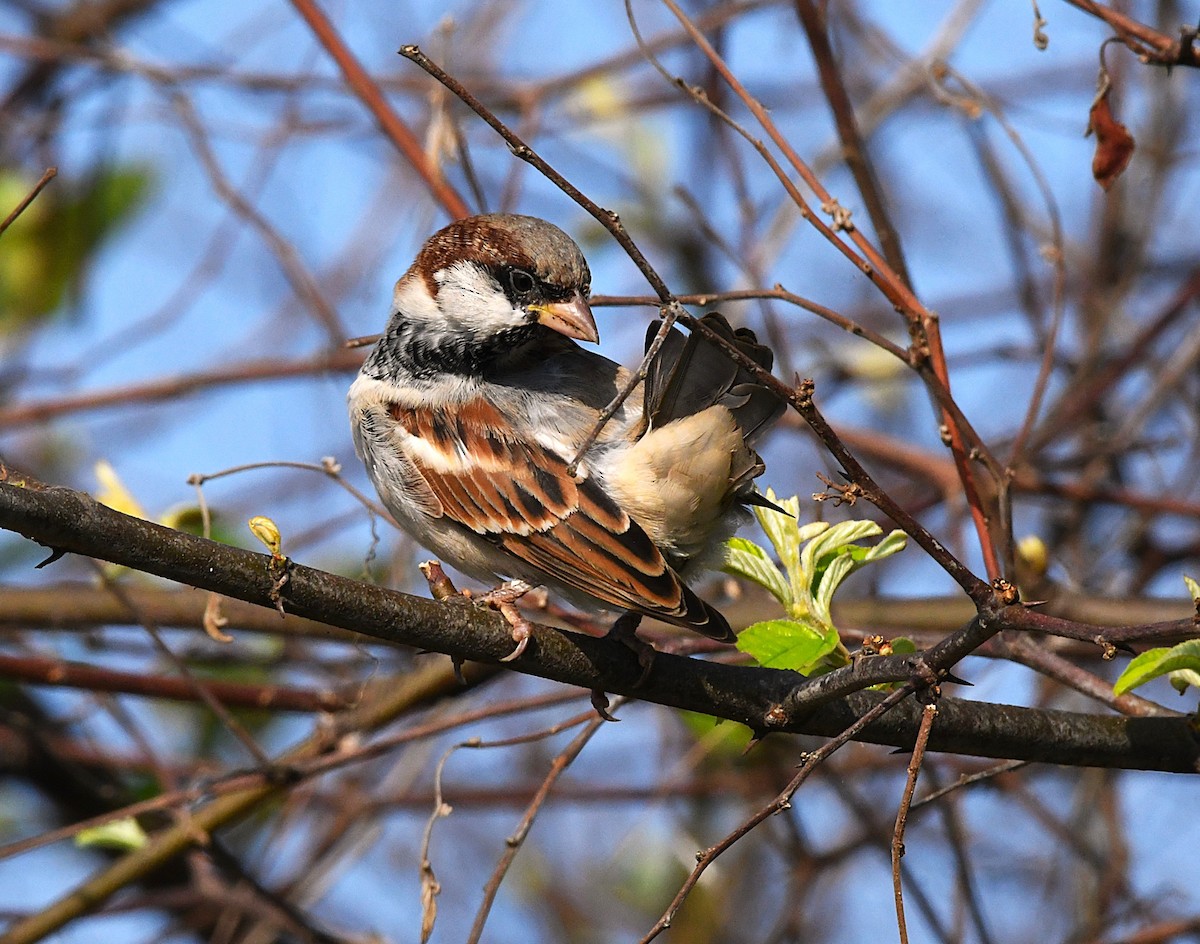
<point>928,713</point>
<point>390,124</point>
<point>513,843</point>
<point>781,802</point>
<point>49,175</point>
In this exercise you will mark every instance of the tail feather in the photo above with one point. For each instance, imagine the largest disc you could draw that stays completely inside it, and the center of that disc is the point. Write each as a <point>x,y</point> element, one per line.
<point>691,374</point>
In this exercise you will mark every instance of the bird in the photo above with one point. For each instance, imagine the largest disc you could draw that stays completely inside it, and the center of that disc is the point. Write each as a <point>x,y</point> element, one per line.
<point>472,406</point>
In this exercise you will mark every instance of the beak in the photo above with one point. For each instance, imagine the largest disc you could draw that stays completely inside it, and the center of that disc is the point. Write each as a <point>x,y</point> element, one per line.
<point>572,318</point>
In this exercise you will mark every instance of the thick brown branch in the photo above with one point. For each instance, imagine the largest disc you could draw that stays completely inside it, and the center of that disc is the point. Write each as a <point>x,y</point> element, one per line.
<point>70,521</point>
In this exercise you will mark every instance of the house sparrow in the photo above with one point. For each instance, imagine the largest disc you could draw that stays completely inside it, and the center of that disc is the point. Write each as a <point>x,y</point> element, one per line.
<point>471,406</point>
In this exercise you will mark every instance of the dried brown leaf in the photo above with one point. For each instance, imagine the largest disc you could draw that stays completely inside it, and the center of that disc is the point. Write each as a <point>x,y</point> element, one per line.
<point>1114,143</point>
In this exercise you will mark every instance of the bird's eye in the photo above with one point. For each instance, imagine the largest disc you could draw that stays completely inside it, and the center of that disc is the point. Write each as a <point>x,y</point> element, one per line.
<point>521,282</point>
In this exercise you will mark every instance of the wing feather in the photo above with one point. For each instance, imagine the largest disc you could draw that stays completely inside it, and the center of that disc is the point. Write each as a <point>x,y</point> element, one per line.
<point>518,495</point>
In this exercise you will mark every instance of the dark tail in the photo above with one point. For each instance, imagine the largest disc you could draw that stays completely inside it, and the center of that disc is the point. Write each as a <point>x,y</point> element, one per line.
<point>691,374</point>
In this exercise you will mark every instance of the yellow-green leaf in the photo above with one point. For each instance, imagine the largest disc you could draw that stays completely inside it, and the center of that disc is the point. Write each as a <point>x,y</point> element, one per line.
<point>1154,663</point>
<point>121,834</point>
<point>746,559</point>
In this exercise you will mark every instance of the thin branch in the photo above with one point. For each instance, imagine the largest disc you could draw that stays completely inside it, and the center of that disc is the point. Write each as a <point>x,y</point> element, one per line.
<point>172,388</point>
<point>1151,46</point>
<point>781,802</point>
<point>40,670</point>
<point>513,843</point>
<point>389,122</point>
<point>49,175</point>
<point>293,268</point>
<point>978,590</point>
<point>914,768</point>
<point>854,149</point>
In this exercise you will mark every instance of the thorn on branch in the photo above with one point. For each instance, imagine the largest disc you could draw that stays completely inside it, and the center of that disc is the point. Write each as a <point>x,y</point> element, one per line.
<point>55,554</point>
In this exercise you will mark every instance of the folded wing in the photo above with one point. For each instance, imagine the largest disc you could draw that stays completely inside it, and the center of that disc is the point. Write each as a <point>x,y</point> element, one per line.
<point>519,496</point>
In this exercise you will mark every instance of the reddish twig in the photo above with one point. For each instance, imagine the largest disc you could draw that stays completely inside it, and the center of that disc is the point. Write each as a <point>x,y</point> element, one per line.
<point>389,122</point>
<point>173,388</point>
<point>269,697</point>
<point>926,355</point>
<point>1151,45</point>
<point>813,17</point>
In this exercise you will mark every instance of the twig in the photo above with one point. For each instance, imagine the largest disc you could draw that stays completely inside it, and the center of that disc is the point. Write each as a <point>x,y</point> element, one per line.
<point>967,780</point>
<point>430,887</point>
<point>269,697</point>
<point>297,274</point>
<point>959,846</point>
<point>853,148</point>
<point>705,299</point>
<point>513,843</point>
<point>1151,45</point>
<point>928,713</point>
<point>49,175</point>
<point>978,590</point>
<point>1028,652</point>
<point>389,122</point>
<point>200,688</point>
<point>781,802</point>
<point>171,388</point>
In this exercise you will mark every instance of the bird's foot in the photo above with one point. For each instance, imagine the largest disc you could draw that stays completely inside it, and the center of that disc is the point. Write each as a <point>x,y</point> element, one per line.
<point>503,599</point>
<point>624,631</point>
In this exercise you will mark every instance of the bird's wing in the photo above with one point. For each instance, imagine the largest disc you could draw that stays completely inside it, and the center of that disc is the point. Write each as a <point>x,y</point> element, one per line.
<point>517,494</point>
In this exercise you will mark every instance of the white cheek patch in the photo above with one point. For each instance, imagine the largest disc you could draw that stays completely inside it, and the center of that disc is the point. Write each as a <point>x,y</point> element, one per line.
<point>470,298</point>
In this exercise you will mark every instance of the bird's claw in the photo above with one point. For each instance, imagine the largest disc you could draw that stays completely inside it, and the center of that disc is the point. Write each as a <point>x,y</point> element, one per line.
<point>600,704</point>
<point>522,629</point>
<point>503,599</point>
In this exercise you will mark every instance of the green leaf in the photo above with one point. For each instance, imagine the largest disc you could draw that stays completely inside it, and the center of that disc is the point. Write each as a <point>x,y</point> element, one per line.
<point>744,558</point>
<point>1182,678</point>
<point>838,569</point>
<point>1157,662</point>
<point>121,834</point>
<point>1193,587</point>
<point>787,644</point>
<point>724,739</point>
<point>835,557</point>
